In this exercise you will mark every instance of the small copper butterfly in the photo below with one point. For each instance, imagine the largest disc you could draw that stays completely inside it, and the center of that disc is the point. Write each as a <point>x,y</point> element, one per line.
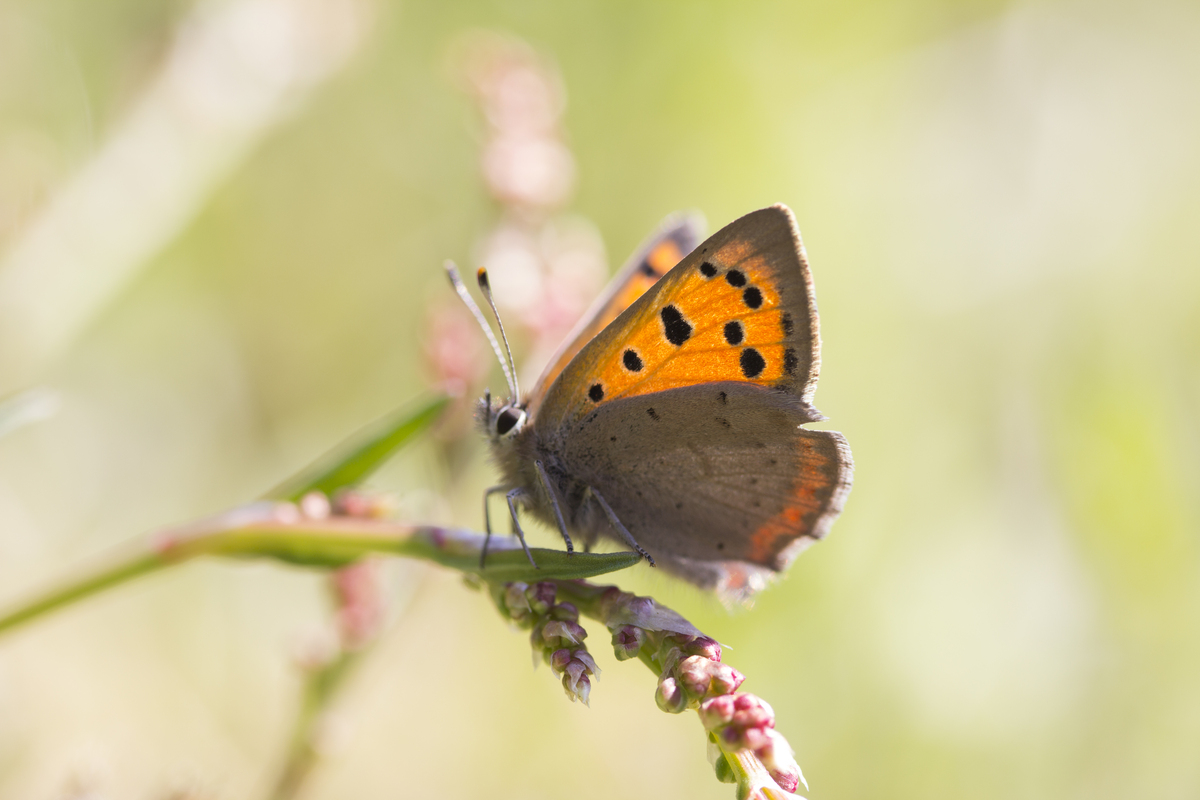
<point>672,418</point>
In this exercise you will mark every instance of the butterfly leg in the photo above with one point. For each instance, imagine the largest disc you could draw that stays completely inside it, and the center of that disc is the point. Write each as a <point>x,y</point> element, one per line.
<point>562,525</point>
<point>621,529</point>
<point>512,497</point>
<point>487,521</point>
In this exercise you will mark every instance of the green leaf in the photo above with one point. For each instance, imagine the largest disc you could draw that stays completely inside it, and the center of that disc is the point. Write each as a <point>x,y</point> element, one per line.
<point>361,454</point>
<point>314,547</point>
<point>512,565</point>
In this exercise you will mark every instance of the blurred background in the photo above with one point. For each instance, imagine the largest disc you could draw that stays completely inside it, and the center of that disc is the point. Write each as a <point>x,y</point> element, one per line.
<point>221,231</point>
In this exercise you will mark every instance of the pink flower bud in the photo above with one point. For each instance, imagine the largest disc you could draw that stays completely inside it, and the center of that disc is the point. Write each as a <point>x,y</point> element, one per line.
<point>349,502</point>
<point>585,658</point>
<point>640,607</point>
<point>627,641</point>
<point>752,718</point>
<point>725,679</point>
<point>670,697</point>
<point>565,611</point>
<point>541,596</point>
<point>559,660</point>
<point>788,781</point>
<point>780,761</point>
<point>515,603</point>
<point>703,646</point>
<point>563,632</point>
<point>741,720</point>
<point>576,670</point>
<point>315,505</point>
<point>694,675</point>
<point>717,711</point>
<point>747,701</point>
<point>736,738</point>
<point>576,682</point>
<point>361,606</point>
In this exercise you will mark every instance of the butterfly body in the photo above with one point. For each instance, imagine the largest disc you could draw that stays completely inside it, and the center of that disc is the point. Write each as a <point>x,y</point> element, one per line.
<point>676,428</point>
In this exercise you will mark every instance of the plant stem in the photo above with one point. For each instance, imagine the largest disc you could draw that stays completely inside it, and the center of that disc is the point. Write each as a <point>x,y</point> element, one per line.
<point>275,531</point>
<point>320,687</point>
<point>80,589</point>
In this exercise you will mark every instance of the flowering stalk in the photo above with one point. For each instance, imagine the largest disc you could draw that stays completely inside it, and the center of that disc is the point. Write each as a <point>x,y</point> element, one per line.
<point>554,632</point>
<point>744,746</point>
<point>280,530</point>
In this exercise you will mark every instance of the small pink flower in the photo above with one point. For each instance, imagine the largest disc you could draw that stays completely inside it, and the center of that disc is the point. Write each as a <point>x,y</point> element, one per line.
<point>541,597</point>
<point>777,756</point>
<point>564,632</point>
<point>670,697</point>
<point>628,641</point>
<point>360,601</point>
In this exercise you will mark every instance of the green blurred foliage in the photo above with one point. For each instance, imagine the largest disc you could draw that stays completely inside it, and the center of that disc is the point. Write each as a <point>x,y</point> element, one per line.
<point>999,203</point>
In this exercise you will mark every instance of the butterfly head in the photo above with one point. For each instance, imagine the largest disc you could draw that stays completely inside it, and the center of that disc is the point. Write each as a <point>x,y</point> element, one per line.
<point>502,420</point>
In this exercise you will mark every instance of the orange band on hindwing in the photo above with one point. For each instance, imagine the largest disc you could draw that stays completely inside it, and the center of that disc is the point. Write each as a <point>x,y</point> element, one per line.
<point>815,483</point>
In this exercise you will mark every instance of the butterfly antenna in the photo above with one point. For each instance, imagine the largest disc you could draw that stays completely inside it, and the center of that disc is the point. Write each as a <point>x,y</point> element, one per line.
<point>486,288</point>
<point>461,288</point>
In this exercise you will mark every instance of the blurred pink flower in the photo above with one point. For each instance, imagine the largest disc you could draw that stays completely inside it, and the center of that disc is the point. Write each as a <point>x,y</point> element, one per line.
<point>454,352</point>
<point>360,601</point>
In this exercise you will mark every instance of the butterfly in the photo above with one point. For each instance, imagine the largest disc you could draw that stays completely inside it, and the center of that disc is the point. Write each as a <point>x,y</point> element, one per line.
<point>671,420</point>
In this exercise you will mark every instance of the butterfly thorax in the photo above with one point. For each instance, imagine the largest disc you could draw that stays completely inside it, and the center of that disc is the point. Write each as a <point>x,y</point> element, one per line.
<point>516,450</point>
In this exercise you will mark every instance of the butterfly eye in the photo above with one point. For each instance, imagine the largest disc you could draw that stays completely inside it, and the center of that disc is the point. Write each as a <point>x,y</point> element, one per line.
<point>509,420</point>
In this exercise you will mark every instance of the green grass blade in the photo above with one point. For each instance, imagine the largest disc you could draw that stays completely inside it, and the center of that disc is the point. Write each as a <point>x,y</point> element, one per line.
<point>512,565</point>
<point>361,454</point>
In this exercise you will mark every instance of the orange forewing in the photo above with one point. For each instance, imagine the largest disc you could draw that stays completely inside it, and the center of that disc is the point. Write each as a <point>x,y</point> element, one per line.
<point>759,253</point>
<point>708,304</point>
<point>677,236</point>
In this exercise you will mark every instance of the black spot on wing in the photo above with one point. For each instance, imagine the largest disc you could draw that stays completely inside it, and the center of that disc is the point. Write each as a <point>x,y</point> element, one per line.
<point>734,332</point>
<point>752,363</point>
<point>752,297</point>
<point>790,361</point>
<point>722,422</point>
<point>596,393</point>
<point>788,325</point>
<point>653,414</point>
<point>649,270</point>
<point>736,278</point>
<point>708,270</point>
<point>724,398</point>
<point>677,329</point>
<point>632,361</point>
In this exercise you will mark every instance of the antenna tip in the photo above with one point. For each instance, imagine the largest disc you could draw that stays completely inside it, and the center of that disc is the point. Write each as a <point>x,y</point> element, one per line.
<point>481,276</point>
